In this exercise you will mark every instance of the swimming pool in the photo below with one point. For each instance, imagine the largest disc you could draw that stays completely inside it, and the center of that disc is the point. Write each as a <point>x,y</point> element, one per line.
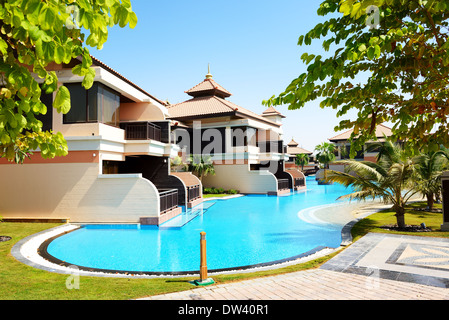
<point>245,231</point>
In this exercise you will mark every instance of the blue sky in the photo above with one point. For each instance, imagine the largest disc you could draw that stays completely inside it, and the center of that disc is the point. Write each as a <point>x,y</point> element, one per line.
<point>251,47</point>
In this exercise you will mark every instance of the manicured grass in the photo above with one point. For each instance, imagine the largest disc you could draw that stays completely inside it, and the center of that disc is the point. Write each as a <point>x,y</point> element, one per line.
<point>218,195</point>
<point>21,282</point>
<point>373,223</point>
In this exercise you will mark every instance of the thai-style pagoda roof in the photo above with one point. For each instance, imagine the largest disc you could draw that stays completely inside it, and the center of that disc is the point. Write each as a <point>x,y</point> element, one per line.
<point>272,112</point>
<point>209,101</point>
<point>381,130</point>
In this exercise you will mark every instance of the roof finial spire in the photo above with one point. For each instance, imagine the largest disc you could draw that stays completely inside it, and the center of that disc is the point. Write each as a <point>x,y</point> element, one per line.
<point>208,75</point>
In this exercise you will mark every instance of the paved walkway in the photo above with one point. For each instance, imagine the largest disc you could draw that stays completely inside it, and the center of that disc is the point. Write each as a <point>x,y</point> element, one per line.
<point>315,284</point>
<point>377,267</point>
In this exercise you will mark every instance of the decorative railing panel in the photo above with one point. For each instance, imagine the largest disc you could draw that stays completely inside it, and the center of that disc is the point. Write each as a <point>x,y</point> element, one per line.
<point>168,199</point>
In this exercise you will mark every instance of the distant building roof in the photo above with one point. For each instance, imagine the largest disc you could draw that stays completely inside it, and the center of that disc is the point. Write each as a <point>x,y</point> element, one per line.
<point>297,150</point>
<point>293,143</point>
<point>292,148</point>
<point>381,130</point>
<point>209,101</point>
<point>208,87</point>
<point>272,112</point>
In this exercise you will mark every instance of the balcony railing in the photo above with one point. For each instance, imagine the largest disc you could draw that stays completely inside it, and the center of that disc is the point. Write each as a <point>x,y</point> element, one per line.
<point>282,184</point>
<point>141,131</point>
<point>168,199</point>
<point>300,182</point>
<point>193,192</point>
<point>271,146</point>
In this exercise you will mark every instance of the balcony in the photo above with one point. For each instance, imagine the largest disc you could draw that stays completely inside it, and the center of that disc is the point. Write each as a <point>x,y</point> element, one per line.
<point>141,131</point>
<point>168,199</point>
<point>193,193</point>
<point>283,184</point>
<point>299,182</point>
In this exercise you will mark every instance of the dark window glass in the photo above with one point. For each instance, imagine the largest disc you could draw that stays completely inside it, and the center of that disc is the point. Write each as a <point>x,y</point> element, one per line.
<point>110,103</point>
<point>47,118</point>
<point>93,103</point>
<point>98,104</point>
<point>78,100</point>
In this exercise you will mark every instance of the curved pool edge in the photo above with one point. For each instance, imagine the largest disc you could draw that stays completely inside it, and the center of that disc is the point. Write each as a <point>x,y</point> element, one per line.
<point>29,251</point>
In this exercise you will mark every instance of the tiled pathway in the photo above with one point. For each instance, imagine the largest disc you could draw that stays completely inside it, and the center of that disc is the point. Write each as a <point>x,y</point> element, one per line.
<point>377,267</point>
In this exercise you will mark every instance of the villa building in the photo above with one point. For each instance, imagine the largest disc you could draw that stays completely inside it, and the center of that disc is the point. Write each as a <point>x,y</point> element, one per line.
<point>121,139</point>
<point>344,144</point>
<point>293,150</point>
<point>246,148</point>
<point>117,169</point>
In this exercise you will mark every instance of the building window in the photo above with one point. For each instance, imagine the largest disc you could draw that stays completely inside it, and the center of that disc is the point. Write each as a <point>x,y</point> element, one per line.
<point>98,104</point>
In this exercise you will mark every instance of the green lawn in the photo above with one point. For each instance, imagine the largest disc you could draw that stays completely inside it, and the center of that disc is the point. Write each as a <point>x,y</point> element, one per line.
<point>218,195</point>
<point>21,282</point>
<point>412,217</point>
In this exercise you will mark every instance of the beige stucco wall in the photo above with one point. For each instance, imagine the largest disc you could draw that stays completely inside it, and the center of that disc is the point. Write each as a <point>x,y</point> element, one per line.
<point>239,177</point>
<point>141,112</point>
<point>75,191</point>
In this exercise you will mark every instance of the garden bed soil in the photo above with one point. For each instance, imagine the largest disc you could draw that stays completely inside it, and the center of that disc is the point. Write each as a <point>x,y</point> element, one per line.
<point>407,228</point>
<point>4,238</point>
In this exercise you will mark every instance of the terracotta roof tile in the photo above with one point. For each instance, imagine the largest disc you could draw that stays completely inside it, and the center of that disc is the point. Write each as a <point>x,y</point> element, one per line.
<point>272,111</point>
<point>206,86</point>
<point>297,150</point>
<point>187,177</point>
<point>212,106</point>
<point>105,66</point>
<point>380,131</point>
<point>293,143</point>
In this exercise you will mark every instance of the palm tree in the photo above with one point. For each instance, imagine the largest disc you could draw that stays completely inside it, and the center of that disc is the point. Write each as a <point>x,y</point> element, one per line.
<point>390,178</point>
<point>326,154</point>
<point>302,159</point>
<point>429,167</point>
<point>201,165</point>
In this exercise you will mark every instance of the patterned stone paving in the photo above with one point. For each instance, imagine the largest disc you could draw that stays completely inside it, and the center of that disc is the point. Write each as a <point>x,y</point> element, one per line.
<point>376,267</point>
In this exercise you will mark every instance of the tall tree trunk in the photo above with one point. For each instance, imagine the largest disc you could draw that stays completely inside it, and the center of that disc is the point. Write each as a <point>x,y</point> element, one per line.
<point>430,200</point>
<point>400,216</point>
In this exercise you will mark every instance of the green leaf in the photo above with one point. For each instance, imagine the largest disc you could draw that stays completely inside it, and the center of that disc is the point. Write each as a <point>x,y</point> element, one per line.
<point>122,15</point>
<point>62,100</point>
<point>132,20</point>
<point>89,78</point>
<point>377,51</point>
<point>47,17</point>
<point>3,47</point>
<point>59,54</point>
<point>370,53</point>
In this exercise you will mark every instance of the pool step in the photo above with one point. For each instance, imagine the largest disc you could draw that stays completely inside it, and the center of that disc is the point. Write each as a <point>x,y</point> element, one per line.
<point>187,216</point>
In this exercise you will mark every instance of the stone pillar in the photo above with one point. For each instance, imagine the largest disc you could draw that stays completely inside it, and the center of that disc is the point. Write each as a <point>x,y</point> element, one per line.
<point>445,194</point>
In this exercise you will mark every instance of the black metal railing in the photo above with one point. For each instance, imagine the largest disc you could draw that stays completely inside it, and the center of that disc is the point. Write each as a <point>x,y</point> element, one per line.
<point>271,146</point>
<point>282,184</point>
<point>193,193</point>
<point>141,131</point>
<point>168,199</point>
<point>300,182</point>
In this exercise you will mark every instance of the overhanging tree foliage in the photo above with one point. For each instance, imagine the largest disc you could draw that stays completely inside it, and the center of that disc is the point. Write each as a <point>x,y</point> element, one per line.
<point>401,47</point>
<point>33,34</point>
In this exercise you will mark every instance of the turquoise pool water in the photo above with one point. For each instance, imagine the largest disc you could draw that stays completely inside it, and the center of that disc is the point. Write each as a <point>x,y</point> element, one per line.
<point>250,230</point>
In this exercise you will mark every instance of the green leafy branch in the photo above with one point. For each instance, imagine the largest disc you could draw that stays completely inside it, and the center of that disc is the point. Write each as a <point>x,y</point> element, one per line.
<point>34,34</point>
